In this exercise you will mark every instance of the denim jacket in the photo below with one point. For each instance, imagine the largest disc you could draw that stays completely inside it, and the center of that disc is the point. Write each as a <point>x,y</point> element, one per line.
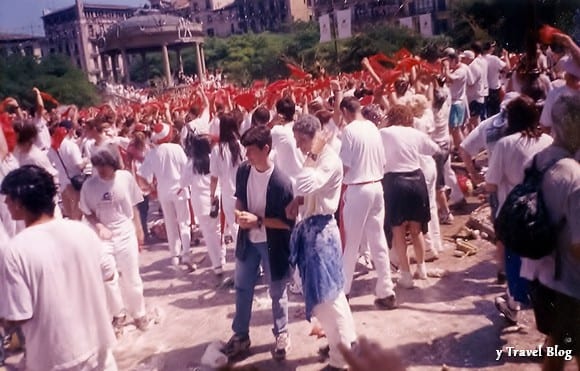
<point>278,196</point>
<point>316,250</point>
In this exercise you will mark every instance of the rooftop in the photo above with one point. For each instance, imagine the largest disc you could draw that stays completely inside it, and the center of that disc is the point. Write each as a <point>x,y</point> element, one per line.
<point>17,37</point>
<point>91,7</point>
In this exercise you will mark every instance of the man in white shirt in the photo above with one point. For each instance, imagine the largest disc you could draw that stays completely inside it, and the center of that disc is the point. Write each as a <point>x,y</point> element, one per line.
<point>477,88</point>
<point>495,67</point>
<point>315,242</point>
<point>166,162</point>
<point>67,159</point>
<point>200,122</point>
<point>571,66</point>
<point>286,156</point>
<point>43,138</point>
<point>457,75</point>
<point>363,159</point>
<point>51,282</point>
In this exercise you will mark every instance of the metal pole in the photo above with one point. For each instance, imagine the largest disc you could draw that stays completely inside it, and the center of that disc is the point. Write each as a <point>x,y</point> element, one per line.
<point>335,31</point>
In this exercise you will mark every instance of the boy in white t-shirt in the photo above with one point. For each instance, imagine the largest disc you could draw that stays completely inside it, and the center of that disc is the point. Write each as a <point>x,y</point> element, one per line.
<point>51,282</point>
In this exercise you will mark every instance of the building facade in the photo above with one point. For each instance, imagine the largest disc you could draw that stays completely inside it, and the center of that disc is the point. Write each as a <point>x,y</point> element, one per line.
<point>427,17</point>
<point>25,45</point>
<point>77,31</point>
<point>223,18</point>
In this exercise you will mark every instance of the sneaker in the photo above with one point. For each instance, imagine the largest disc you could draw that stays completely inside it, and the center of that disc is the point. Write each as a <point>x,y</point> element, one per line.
<point>142,323</point>
<point>388,303</point>
<point>236,345</point>
<point>119,323</point>
<point>406,282</point>
<point>282,346</point>
<point>219,272</point>
<point>366,262</point>
<point>446,219</point>
<point>501,278</point>
<point>511,315</point>
<point>295,288</point>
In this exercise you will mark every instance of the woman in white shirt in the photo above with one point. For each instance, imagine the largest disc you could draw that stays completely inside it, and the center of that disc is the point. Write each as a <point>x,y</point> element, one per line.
<point>511,155</point>
<point>197,176</point>
<point>109,202</point>
<point>405,190</point>
<point>225,159</point>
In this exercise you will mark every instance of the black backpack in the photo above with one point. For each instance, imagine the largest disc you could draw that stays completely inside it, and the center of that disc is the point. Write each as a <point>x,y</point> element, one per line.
<point>523,223</point>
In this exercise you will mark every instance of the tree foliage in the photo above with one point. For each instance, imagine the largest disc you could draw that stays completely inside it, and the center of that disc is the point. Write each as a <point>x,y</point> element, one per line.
<point>507,22</point>
<point>53,74</point>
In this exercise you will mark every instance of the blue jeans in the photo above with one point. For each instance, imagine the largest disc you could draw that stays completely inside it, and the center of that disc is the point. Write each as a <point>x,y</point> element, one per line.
<point>245,281</point>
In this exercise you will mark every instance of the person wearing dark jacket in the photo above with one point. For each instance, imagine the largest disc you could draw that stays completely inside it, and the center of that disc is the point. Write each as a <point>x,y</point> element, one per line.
<point>262,194</point>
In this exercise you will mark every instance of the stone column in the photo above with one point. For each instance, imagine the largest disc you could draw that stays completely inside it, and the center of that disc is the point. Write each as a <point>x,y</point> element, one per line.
<point>202,59</point>
<point>104,67</point>
<point>200,71</point>
<point>114,67</point>
<point>145,65</point>
<point>179,60</point>
<point>166,66</point>
<point>126,72</point>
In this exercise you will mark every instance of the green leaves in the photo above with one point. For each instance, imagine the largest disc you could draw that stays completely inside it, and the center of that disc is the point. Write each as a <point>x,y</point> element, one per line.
<point>53,74</point>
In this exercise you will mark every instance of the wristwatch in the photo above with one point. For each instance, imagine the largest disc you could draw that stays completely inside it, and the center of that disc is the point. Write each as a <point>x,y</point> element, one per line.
<point>313,156</point>
<point>260,222</point>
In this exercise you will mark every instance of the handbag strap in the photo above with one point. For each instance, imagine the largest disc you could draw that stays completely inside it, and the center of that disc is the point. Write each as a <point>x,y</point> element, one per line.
<point>63,165</point>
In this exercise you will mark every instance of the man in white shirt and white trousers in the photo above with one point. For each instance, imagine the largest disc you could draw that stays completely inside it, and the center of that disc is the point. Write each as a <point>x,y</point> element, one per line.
<point>363,159</point>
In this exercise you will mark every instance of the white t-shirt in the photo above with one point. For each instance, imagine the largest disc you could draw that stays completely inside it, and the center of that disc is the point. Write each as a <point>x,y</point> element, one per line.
<point>553,95</point>
<point>220,166</point>
<point>36,157</point>
<point>200,189</point>
<point>458,82</point>
<point>477,88</point>
<point>43,139</point>
<point>199,125</point>
<point>494,67</point>
<point>257,189</point>
<point>320,185</point>
<point>425,123</point>
<point>166,163</point>
<point>511,156</point>
<point>485,135</point>
<point>362,152</point>
<point>403,148</point>
<point>50,277</point>
<point>286,156</point>
<point>440,132</point>
<point>112,201</point>
<point>10,225</point>
<point>70,154</point>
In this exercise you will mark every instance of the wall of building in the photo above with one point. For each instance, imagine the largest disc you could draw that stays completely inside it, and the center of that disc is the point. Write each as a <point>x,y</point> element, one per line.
<point>25,45</point>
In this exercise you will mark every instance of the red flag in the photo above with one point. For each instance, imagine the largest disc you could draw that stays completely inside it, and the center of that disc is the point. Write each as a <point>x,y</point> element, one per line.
<point>389,76</point>
<point>57,137</point>
<point>246,100</point>
<point>366,100</point>
<point>258,84</point>
<point>546,34</point>
<point>8,130</point>
<point>48,98</point>
<point>402,54</point>
<point>277,86</point>
<point>296,71</point>
<point>407,63</point>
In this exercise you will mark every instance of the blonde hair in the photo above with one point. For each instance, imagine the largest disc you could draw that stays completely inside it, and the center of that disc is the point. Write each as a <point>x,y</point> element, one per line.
<point>418,104</point>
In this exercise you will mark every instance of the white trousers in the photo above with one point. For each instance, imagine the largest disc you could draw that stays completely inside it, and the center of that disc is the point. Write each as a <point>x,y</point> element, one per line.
<point>364,214</point>
<point>210,228</point>
<point>101,361</point>
<point>125,289</point>
<point>229,206</point>
<point>337,322</point>
<point>177,224</point>
<point>451,182</point>
<point>433,236</point>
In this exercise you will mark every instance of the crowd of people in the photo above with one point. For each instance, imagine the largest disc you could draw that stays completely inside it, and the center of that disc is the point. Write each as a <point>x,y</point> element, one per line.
<point>311,175</point>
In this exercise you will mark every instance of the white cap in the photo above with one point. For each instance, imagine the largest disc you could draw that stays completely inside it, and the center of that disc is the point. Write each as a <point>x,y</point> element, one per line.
<point>161,133</point>
<point>468,54</point>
